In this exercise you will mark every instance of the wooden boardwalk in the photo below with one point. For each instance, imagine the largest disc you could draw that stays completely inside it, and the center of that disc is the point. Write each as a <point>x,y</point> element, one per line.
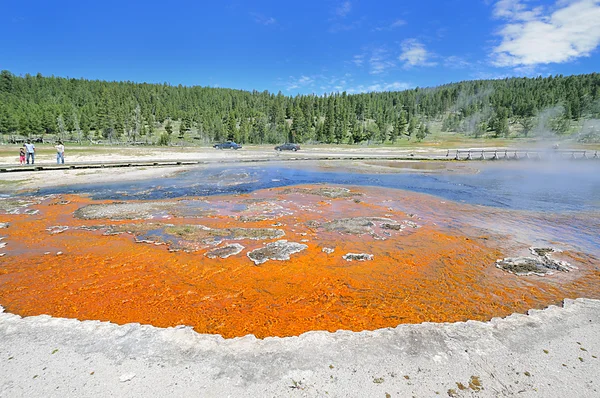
<point>451,155</point>
<point>520,154</point>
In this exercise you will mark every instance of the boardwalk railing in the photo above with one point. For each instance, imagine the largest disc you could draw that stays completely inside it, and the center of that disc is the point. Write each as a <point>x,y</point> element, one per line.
<point>520,154</point>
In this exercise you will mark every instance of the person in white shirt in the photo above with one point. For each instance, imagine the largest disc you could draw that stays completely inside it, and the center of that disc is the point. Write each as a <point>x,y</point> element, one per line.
<point>30,149</point>
<point>60,153</point>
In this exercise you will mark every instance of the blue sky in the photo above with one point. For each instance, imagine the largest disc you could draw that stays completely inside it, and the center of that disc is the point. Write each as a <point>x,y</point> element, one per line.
<point>300,47</point>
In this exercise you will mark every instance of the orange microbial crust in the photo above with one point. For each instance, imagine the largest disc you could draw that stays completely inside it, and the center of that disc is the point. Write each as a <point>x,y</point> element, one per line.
<point>420,270</point>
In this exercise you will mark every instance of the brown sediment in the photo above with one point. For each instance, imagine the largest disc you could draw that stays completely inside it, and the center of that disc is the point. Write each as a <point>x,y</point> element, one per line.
<point>432,273</point>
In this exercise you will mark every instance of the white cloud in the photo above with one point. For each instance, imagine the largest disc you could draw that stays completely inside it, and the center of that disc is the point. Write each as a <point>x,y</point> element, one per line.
<point>535,36</point>
<point>380,86</point>
<point>343,9</point>
<point>415,54</point>
<point>358,60</point>
<point>397,23</point>
<point>380,62</point>
<point>262,19</point>
<point>340,83</point>
<point>456,62</point>
<point>394,25</point>
<point>393,86</point>
<point>515,10</point>
<point>299,82</point>
<point>339,22</point>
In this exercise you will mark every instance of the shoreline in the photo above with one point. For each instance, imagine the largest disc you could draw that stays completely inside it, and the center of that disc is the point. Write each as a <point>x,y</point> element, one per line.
<point>550,352</point>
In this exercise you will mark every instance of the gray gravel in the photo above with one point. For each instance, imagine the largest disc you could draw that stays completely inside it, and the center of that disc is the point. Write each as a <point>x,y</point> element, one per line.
<point>549,353</point>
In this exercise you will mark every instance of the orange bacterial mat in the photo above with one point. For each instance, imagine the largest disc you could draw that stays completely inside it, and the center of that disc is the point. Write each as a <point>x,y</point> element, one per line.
<point>365,258</point>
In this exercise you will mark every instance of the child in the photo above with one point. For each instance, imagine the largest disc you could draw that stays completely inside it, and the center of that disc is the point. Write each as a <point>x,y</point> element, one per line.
<point>22,156</point>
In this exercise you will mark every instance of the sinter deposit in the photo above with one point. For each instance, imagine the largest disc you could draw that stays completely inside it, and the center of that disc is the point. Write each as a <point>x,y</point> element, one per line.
<point>541,264</point>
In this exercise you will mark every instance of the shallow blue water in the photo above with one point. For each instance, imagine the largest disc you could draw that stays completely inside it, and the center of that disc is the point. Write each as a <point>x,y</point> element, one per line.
<point>563,188</point>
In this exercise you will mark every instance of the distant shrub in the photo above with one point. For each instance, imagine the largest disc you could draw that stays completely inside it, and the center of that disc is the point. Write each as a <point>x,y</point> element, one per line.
<point>590,132</point>
<point>164,139</point>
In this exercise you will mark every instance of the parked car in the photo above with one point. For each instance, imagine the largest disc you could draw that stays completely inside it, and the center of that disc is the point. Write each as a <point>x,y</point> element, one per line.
<point>288,147</point>
<point>227,145</point>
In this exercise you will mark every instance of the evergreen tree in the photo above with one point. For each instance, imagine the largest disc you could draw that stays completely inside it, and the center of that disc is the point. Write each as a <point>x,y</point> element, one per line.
<point>8,124</point>
<point>527,124</point>
<point>298,125</point>
<point>358,134</point>
<point>49,121</point>
<point>137,122</point>
<point>382,130</point>
<point>329,124</point>
<point>412,127</point>
<point>169,128</point>
<point>105,117</point>
<point>164,139</point>
<point>260,130</point>
<point>33,104</point>
<point>244,131</point>
<point>151,126</point>
<point>76,126</point>
<point>85,126</point>
<point>559,124</point>
<point>232,131</point>
<point>399,127</point>
<point>421,132</point>
<point>500,123</point>
<point>181,131</point>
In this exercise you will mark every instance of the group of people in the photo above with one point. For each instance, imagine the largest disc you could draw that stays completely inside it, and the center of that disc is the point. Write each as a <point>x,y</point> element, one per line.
<point>27,152</point>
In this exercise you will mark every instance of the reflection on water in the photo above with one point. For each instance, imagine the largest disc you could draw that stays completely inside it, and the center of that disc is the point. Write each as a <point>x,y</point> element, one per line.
<point>567,187</point>
<point>553,202</point>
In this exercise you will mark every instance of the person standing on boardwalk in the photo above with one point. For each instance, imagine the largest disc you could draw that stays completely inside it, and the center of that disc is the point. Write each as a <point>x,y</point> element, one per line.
<point>60,153</point>
<point>22,156</point>
<point>30,149</point>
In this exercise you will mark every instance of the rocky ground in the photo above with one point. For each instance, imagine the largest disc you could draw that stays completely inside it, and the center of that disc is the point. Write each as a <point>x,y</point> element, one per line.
<point>549,353</point>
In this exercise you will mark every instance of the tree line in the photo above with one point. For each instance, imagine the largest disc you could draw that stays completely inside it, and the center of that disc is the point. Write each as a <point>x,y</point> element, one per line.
<point>81,109</point>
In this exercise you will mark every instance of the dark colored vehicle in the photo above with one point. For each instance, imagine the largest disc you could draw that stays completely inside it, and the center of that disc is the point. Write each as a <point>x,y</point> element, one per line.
<point>288,147</point>
<point>227,145</point>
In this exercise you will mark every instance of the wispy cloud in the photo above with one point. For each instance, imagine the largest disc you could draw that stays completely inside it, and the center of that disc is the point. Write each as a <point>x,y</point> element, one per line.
<point>339,22</point>
<point>379,86</point>
<point>262,19</point>
<point>380,62</point>
<point>456,62</point>
<point>358,60</point>
<point>538,36</point>
<point>317,83</point>
<point>415,54</point>
<point>339,83</point>
<point>393,86</point>
<point>337,27</point>
<point>515,10</point>
<point>343,9</point>
<point>303,81</point>
<point>394,25</point>
<point>490,75</point>
<point>397,23</point>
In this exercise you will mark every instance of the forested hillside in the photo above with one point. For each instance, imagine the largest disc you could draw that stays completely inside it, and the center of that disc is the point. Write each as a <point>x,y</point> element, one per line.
<point>78,109</point>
